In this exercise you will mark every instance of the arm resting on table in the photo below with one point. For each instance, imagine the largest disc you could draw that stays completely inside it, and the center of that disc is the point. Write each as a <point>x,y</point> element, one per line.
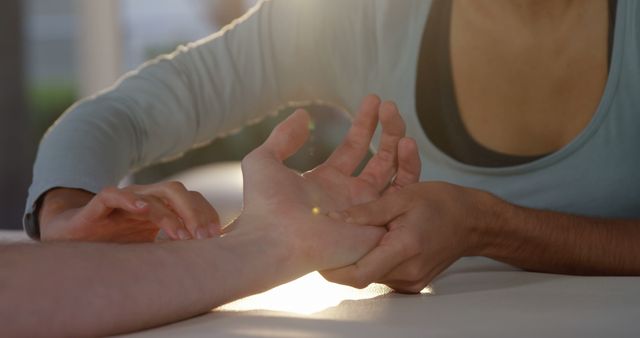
<point>560,243</point>
<point>77,289</point>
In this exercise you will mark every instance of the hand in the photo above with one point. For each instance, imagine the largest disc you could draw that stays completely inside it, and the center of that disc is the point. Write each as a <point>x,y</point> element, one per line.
<point>430,226</point>
<point>292,207</point>
<point>132,214</point>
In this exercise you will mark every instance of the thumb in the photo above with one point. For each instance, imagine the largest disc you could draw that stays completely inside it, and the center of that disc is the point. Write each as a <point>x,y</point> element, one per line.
<point>377,213</point>
<point>289,136</point>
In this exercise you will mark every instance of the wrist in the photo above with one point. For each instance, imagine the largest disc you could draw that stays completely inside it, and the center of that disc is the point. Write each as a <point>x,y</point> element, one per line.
<point>59,200</point>
<point>262,242</point>
<point>489,224</point>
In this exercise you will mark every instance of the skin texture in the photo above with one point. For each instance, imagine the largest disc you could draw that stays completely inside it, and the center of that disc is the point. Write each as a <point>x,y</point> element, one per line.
<point>276,239</point>
<point>432,225</point>
<point>131,214</point>
<point>528,74</point>
<point>114,214</point>
<point>528,77</point>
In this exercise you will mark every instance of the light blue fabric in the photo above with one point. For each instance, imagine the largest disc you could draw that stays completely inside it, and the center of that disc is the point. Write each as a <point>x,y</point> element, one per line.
<point>598,173</point>
<point>337,52</point>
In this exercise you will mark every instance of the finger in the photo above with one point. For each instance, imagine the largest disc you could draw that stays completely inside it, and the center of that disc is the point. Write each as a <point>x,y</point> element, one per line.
<point>208,215</point>
<point>375,265</point>
<point>164,218</point>
<point>347,157</point>
<point>409,164</point>
<point>407,287</point>
<point>407,279</point>
<point>198,215</point>
<point>110,199</point>
<point>288,137</point>
<point>378,213</point>
<point>382,167</point>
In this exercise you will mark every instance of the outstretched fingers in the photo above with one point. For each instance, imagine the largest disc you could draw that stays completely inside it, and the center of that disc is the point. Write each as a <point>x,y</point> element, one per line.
<point>384,164</point>
<point>287,137</point>
<point>409,165</point>
<point>347,157</point>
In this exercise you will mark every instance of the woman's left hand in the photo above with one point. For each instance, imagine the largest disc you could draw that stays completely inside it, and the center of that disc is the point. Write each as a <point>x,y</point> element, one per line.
<point>430,226</point>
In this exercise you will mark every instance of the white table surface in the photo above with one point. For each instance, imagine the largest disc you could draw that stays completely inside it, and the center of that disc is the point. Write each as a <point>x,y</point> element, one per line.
<point>476,297</point>
<point>9,236</point>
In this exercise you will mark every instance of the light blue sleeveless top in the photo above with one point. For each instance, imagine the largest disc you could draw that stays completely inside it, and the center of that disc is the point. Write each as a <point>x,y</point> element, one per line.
<point>335,51</point>
<point>598,173</point>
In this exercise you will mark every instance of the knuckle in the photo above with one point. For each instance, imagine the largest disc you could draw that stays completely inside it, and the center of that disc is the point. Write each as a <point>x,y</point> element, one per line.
<point>176,186</point>
<point>109,191</point>
<point>387,153</point>
<point>197,195</point>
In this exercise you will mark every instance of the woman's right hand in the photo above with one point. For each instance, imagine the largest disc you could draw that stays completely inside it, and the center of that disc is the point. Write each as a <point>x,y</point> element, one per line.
<point>133,214</point>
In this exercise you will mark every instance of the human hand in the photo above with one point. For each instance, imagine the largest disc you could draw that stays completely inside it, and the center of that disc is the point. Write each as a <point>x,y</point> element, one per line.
<point>132,214</point>
<point>430,226</point>
<point>283,203</point>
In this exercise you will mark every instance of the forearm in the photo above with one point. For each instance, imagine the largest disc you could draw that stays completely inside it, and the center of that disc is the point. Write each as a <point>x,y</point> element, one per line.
<point>75,289</point>
<point>560,243</point>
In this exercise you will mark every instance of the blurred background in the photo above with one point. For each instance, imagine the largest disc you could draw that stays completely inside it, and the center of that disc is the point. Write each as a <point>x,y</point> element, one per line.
<point>55,52</point>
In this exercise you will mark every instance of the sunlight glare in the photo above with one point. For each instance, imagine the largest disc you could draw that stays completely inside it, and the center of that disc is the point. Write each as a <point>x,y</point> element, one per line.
<point>305,296</point>
<point>427,291</point>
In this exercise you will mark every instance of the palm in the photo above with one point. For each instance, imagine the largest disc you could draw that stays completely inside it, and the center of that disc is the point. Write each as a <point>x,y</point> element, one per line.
<point>322,189</point>
<point>273,189</point>
<point>341,191</point>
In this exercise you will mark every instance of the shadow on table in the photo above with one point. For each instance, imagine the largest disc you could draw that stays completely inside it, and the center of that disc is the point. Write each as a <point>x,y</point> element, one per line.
<point>479,274</point>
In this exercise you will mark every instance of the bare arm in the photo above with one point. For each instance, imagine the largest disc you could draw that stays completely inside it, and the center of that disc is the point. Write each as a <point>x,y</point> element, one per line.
<point>431,225</point>
<point>204,90</point>
<point>560,243</point>
<point>76,289</point>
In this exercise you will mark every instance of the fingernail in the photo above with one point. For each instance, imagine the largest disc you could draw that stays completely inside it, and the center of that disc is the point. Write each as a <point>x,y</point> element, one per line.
<point>202,233</point>
<point>183,234</point>
<point>141,204</point>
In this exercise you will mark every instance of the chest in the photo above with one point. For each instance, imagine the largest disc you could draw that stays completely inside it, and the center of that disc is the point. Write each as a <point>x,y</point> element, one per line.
<point>528,89</point>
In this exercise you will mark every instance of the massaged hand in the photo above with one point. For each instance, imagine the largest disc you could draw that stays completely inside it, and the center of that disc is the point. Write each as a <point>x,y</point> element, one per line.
<point>292,206</point>
<point>430,226</point>
<point>131,214</point>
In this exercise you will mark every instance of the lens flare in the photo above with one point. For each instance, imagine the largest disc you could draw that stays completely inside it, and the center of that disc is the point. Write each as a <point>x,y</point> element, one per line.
<point>315,211</point>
